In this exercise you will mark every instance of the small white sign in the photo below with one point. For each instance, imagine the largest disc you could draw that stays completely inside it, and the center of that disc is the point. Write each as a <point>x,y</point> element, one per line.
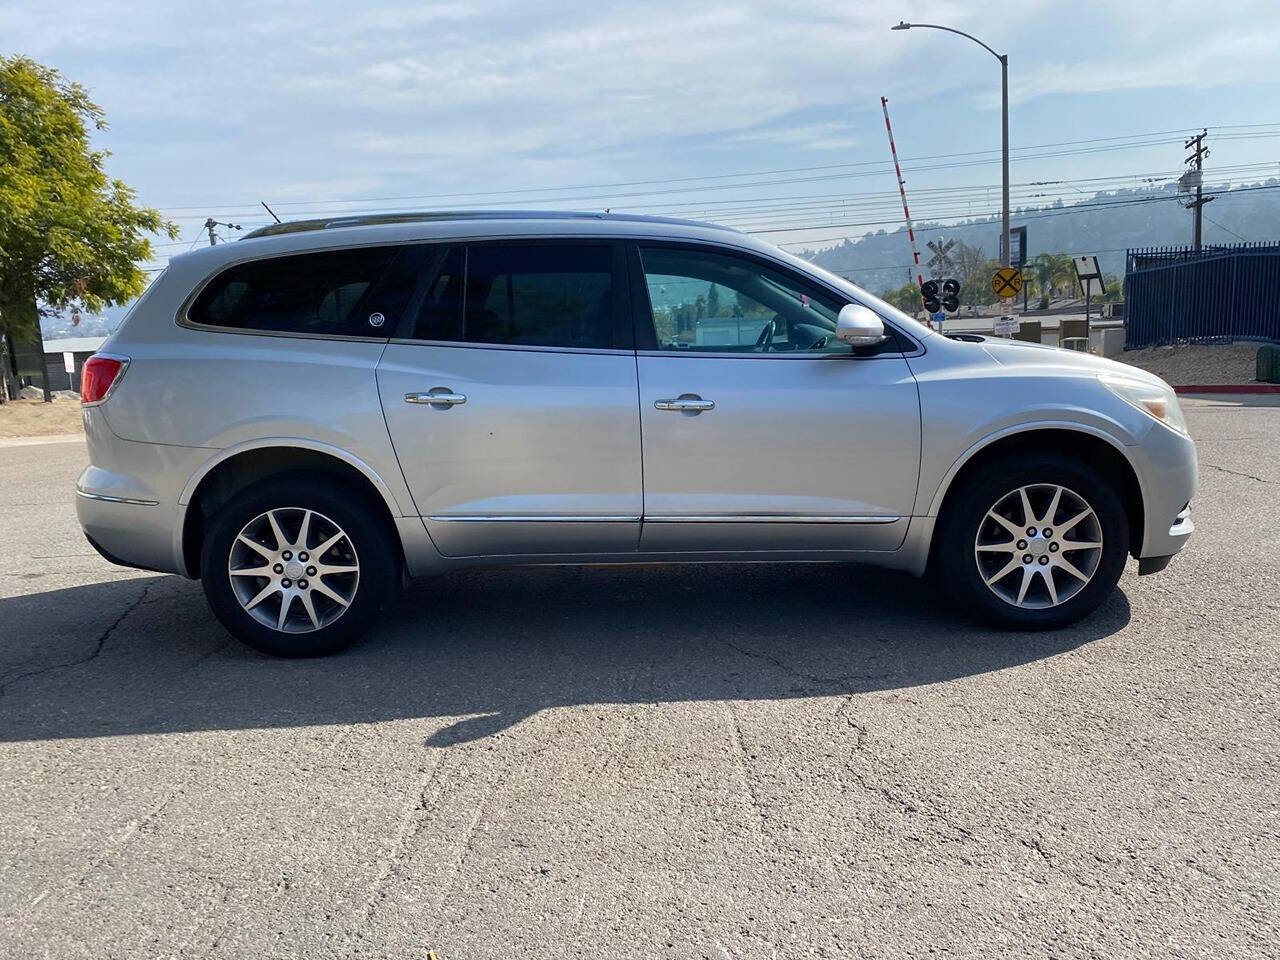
<point>68,362</point>
<point>1007,326</point>
<point>1090,276</point>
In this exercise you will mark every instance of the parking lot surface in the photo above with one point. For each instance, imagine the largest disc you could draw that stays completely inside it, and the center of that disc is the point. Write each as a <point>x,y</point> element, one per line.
<point>711,761</point>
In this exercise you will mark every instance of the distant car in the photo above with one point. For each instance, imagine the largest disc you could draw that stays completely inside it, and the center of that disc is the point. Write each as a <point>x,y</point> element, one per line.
<point>306,417</point>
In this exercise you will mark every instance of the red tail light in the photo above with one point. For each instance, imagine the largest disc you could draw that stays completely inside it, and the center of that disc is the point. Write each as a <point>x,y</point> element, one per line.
<point>101,372</point>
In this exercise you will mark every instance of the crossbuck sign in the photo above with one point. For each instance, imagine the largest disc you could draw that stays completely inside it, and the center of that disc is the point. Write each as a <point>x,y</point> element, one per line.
<point>940,263</point>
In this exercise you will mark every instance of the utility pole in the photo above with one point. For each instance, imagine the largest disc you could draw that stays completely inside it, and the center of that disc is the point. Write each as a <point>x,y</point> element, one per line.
<point>211,223</point>
<point>1195,175</point>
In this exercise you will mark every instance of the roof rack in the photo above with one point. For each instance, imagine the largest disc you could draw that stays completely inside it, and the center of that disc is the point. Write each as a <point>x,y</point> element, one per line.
<point>437,216</point>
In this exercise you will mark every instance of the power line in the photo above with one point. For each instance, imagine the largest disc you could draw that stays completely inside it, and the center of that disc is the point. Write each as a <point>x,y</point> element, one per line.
<point>614,197</point>
<point>725,207</point>
<point>1065,211</point>
<point>1227,229</point>
<point>952,210</point>
<point>682,208</point>
<point>1136,141</point>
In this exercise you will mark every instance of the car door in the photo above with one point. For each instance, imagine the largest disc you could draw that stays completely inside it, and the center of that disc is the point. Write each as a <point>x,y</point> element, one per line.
<point>511,398</point>
<point>761,431</point>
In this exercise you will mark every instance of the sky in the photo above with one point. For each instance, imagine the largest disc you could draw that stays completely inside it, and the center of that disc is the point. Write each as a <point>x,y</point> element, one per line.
<point>763,115</point>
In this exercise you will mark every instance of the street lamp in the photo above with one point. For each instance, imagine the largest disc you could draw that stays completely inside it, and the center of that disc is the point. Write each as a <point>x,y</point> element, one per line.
<point>1004,118</point>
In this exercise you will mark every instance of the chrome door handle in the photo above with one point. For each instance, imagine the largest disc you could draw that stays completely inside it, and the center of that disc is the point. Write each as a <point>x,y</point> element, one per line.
<point>444,399</point>
<point>686,402</point>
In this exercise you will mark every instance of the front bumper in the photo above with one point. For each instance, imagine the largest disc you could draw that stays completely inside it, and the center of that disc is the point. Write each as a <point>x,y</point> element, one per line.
<point>1169,475</point>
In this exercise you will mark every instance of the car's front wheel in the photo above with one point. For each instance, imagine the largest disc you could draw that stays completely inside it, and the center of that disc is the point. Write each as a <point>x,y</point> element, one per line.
<point>1035,543</point>
<point>297,567</point>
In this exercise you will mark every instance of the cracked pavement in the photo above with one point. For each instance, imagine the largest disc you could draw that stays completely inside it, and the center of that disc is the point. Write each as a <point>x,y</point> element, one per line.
<point>713,761</point>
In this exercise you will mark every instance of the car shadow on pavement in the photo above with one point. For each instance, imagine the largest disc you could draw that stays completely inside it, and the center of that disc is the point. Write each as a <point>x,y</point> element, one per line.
<point>481,650</point>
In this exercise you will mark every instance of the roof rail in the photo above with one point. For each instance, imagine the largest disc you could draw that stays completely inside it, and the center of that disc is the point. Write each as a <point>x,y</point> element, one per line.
<point>439,216</point>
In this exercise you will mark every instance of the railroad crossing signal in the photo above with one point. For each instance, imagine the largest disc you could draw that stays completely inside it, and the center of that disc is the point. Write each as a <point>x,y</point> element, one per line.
<point>950,296</point>
<point>1006,282</point>
<point>940,262</point>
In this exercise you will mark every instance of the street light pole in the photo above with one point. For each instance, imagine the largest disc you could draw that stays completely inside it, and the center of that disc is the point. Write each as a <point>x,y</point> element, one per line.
<point>1004,121</point>
<point>1004,156</point>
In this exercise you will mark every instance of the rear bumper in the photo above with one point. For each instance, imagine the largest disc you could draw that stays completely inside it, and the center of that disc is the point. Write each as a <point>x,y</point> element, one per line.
<point>131,532</point>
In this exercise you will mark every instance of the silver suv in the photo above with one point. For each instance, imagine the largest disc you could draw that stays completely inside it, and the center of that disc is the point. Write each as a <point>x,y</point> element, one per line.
<point>305,418</point>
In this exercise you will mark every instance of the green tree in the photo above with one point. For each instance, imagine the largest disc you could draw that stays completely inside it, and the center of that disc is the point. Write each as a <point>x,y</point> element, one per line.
<point>1051,272</point>
<point>713,301</point>
<point>975,269</point>
<point>70,236</point>
<point>906,298</point>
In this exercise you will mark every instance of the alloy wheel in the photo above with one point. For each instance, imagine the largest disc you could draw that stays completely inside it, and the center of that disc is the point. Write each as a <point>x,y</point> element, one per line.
<point>293,570</point>
<point>1038,546</point>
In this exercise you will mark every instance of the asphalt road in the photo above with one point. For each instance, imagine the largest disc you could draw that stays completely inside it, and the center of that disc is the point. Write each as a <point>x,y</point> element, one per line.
<point>736,761</point>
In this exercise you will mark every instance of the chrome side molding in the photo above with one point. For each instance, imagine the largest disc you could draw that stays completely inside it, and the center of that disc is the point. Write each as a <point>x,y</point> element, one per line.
<point>711,518</point>
<point>106,499</point>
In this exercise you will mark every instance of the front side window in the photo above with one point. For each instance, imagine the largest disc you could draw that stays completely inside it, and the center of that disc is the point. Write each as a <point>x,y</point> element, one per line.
<point>550,295</point>
<point>348,293</point>
<point>715,302</point>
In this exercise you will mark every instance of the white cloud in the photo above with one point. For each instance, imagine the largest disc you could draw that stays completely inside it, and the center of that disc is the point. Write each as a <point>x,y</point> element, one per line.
<point>320,98</point>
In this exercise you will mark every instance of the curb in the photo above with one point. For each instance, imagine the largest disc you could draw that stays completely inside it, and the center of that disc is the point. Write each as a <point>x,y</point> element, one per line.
<point>42,439</point>
<point>1230,388</point>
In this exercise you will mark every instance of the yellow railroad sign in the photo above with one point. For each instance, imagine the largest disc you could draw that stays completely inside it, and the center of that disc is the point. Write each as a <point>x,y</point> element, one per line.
<point>1007,283</point>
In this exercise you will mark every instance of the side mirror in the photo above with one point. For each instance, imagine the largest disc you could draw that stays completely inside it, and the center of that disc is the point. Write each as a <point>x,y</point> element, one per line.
<point>860,326</point>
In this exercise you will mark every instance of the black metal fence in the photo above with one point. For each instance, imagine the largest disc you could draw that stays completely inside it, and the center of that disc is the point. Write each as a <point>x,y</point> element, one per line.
<point>1214,295</point>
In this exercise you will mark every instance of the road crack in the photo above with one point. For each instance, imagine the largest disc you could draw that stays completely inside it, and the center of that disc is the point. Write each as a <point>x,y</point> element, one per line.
<point>98,644</point>
<point>411,824</point>
<point>1237,473</point>
<point>828,684</point>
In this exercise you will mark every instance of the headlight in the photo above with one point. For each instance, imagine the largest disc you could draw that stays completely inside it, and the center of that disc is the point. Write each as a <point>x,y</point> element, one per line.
<point>1156,399</point>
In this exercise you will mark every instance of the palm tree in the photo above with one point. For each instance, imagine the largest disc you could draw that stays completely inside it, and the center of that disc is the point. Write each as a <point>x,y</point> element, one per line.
<point>1052,272</point>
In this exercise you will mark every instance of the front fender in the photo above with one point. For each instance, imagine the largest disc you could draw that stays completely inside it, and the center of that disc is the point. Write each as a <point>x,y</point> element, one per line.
<point>1117,437</point>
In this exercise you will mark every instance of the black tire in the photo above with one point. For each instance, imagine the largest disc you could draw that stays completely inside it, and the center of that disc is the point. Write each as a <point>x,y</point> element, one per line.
<point>368,537</point>
<point>956,566</point>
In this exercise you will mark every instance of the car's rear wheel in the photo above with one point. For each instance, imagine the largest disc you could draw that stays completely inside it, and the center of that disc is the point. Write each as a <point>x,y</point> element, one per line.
<point>297,567</point>
<point>1033,543</point>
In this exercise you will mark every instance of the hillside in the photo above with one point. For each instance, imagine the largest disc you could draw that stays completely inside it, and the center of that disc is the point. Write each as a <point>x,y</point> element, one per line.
<point>1105,224</point>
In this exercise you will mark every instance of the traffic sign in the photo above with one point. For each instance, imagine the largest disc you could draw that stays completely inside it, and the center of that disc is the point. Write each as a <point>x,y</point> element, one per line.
<point>1007,283</point>
<point>941,260</point>
<point>938,318</point>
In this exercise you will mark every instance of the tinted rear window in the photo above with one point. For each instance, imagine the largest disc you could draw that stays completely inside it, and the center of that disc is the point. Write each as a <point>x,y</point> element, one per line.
<point>350,293</point>
<point>540,295</point>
